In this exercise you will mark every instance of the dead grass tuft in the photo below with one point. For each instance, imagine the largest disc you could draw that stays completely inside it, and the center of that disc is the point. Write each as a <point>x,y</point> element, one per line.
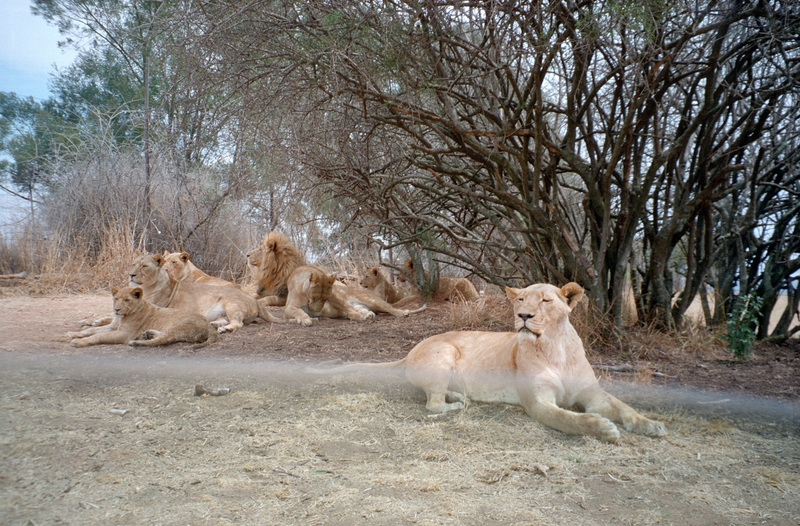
<point>489,312</point>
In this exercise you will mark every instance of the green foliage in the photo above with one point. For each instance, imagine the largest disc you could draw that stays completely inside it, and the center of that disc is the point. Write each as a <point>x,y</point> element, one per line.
<point>29,133</point>
<point>742,324</point>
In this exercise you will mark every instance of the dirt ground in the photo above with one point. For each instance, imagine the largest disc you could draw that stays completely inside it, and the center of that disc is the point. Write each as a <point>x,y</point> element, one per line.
<point>287,447</point>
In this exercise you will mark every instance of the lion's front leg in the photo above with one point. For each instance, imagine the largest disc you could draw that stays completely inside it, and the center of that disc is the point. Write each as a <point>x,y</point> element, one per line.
<point>101,338</point>
<point>541,405</point>
<point>90,331</point>
<point>297,314</point>
<point>595,400</point>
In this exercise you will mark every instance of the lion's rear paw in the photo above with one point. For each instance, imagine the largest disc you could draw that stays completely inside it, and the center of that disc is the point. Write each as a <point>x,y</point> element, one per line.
<point>147,335</point>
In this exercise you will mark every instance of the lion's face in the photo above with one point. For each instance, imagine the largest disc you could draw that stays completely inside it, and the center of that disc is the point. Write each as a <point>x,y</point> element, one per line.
<point>541,307</point>
<point>127,300</point>
<point>145,269</point>
<point>372,278</point>
<point>405,271</point>
<point>255,258</point>
<point>319,290</point>
<point>176,265</point>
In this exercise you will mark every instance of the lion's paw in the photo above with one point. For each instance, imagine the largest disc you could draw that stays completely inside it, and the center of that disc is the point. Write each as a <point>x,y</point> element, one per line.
<point>603,428</point>
<point>147,335</point>
<point>305,323</point>
<point>644,426</point>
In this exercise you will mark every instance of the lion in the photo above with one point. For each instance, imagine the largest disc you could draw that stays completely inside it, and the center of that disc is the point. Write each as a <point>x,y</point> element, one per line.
<point>541,366</point>
<point>449,289</point>
<point>314,293</point>
<point>375,280</point>
<point>271,264</point>
<point>212,301</point>
<point>180,268</point>
<point>142,323</point>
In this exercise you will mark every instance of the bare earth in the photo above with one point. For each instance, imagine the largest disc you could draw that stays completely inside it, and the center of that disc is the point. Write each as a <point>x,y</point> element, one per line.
<point>287,447</point>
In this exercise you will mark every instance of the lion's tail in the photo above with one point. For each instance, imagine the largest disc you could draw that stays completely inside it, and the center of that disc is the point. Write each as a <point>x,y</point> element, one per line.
<point>355,367</point>
<point>266,315</point>
<point>424,306</point>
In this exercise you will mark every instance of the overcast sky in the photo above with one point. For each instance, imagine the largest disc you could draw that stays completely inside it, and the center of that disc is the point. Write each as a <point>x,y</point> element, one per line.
<point>28,50</point>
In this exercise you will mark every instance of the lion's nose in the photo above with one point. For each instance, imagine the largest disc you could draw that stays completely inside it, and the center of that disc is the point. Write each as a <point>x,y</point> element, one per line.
<point>524,316</point>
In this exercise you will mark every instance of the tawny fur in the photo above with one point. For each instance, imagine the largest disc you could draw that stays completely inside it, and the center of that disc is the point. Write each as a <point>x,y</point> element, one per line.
<point>212,301</point>
<point>313,293</point>
<point>541,366</point>
<point>375,280</point>
<point>449,289</point>
<point>180,268</point>
<point>142,323</point>
<point>271,264</point>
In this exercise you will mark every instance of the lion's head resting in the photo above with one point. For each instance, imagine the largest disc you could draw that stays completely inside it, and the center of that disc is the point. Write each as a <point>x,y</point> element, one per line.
<point>176,265</point>
<point>145,269</point>
<point>127,300</point>
<point>320,287</point>
<point>542,307</point>
<point>272,262</point>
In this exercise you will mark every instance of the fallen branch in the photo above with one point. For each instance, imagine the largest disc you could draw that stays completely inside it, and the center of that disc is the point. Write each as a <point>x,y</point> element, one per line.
<point>21,275</point>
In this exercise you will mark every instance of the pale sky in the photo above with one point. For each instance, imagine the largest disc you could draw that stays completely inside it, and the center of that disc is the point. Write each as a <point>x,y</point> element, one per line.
<point>28,50</point>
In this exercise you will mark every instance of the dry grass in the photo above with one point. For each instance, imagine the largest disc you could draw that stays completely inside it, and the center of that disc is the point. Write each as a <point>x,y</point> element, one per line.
<point>489,312</point>
<point>286,449</point>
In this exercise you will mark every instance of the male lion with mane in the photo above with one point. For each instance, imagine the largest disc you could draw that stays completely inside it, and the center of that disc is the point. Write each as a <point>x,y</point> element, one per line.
<point>312,293</point>
<point>142,323</point>
<point>542,367</point>
<point>212,301</point>
<point>271,263</point>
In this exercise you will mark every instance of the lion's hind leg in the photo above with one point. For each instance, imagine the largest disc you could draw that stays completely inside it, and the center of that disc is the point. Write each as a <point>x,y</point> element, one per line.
<point>150,338</point>
<point>431,368</point>
<point>599,402</point>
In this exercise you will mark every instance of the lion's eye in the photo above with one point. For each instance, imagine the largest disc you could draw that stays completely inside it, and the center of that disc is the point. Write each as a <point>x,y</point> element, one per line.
<point>546,300</point>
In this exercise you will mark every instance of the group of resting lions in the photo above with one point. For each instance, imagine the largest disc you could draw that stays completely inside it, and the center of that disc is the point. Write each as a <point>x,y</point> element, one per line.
<point>541,366</point>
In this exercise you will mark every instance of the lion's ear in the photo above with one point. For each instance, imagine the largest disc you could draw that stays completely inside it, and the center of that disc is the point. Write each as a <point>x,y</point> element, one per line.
<point>165,254</point>
<point>158,259</point>
<point>512,293</point>
<point>313,278</point>
<point>332,278</point>
<point>137,293</point>
<point>373,271</point>
<point>573,293</point>
<point>184,257</point>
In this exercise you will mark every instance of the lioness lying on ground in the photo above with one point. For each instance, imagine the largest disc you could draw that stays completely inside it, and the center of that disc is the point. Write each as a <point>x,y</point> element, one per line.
<point>142,323</point>
<point>314,293</point>
<point>180,268</point>
<point>449,289</point>
<point>542,366</point>
<point>270,264</point>
<point>375,280</point>
<point>212,301</point>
